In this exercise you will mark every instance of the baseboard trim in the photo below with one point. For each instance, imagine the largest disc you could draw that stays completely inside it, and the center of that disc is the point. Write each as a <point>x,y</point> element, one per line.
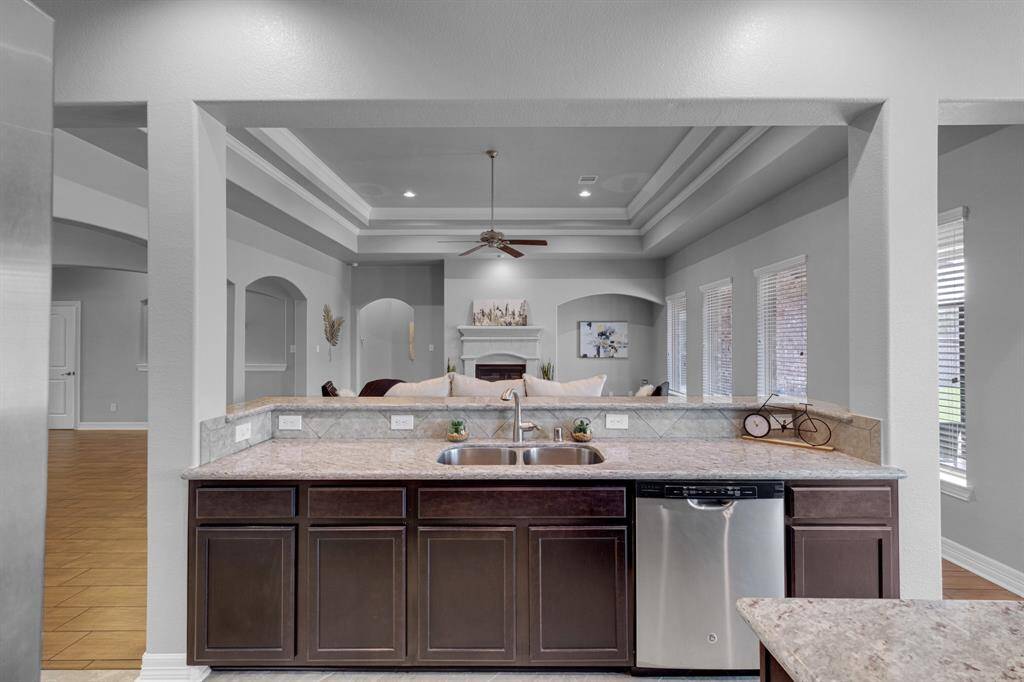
<point>988,568</point>
<point>165,667</point>
<point>112,426</point>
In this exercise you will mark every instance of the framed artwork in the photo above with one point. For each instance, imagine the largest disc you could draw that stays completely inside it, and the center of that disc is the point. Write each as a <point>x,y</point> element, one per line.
<point>604,339</point>
<point>500,313</point>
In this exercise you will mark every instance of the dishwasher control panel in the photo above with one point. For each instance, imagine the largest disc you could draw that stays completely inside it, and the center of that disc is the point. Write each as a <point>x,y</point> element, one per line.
<point>711,490</point>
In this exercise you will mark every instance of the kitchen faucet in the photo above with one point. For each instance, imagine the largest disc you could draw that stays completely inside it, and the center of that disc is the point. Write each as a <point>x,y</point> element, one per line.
<point>518,425</point>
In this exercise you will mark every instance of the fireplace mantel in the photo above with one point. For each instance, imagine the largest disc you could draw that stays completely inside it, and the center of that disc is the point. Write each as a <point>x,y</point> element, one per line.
<point>520,345</point>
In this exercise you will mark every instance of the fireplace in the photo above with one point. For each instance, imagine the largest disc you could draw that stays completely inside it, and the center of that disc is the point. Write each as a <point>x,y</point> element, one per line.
<point>510,349</point>
<point>500,372</point>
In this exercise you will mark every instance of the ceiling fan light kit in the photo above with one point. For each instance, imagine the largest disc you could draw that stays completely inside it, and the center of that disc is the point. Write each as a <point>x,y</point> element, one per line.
<point>492,238</point>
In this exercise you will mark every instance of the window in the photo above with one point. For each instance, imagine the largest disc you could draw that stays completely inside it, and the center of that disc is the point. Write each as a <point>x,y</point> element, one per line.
<point>718,338</point>
<point>677,343</point>
<point>782,328</point>
<point>952,350</point>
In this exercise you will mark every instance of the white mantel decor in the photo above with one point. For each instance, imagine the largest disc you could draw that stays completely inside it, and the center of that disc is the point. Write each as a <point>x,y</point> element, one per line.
<point>496,345</point>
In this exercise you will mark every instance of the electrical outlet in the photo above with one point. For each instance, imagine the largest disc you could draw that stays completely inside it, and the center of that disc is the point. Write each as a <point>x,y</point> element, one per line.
<point>289,422</point>
<point>616,421</point>
<point>430,348</point>
<point>243,432</point>
<point>113,407</point>
<point>291,348</point>
<point>401,422</point>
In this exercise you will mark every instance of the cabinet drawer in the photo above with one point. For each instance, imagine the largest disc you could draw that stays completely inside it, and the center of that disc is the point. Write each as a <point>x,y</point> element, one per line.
<point>513,503</point>
<point>356,503</point>
<point>809,503</point>
<point>248,503</point>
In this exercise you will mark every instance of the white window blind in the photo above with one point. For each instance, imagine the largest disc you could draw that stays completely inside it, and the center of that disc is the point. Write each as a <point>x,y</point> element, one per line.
<point>717,338</point>
<point>782,328</point>
<point>952,336</point>
<point>677,343</point>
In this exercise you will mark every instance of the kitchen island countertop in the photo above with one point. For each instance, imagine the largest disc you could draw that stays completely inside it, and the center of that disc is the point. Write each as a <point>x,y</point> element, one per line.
<point>890,639</point>
<point>416,459</point>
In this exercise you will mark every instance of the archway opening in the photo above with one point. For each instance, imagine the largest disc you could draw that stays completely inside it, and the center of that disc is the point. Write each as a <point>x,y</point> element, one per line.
<point>639,341</point>
<point>386,346</point>
<point>275,339</point>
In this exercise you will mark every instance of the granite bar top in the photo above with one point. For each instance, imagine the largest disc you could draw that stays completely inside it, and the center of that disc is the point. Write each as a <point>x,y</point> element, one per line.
<point>890,639</point>
<point>416,459</point>
<point>314,404</point>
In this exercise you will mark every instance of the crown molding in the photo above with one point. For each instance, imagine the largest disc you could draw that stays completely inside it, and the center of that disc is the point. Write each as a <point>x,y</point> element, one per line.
<point>296,154</point>
<point>247,154</point>
<point>735,149</point>
<point>679,157</point>
<point>541,231</point>
<point>482,213</point>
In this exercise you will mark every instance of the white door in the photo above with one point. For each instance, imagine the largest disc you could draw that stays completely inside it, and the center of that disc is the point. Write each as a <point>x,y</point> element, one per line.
<point>63,409</point>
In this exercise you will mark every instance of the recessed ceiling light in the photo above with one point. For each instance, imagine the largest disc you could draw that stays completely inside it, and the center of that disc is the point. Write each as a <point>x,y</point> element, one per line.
<point>408,194</point>
<point>584,193</point>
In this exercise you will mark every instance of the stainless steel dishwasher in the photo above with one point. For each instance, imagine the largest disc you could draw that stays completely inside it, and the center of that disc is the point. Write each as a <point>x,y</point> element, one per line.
<point>700,546</point>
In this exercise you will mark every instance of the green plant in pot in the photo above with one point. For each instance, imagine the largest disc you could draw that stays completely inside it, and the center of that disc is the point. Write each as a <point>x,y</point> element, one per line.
<point>457,431</point>
<point>547,371</point>
<point>581,430</point>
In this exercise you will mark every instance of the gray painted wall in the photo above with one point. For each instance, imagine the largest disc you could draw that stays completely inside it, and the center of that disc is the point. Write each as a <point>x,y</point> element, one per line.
<point>545,284</point>
<point>624,374</point>
<point>810,219</point>
<point>418,285</point>
<point>111,340</point>
<point>26,138</point>
<point>987,176</point>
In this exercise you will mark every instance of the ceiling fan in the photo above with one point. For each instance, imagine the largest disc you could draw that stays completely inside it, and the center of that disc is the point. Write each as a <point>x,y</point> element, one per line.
<point>491,238</point>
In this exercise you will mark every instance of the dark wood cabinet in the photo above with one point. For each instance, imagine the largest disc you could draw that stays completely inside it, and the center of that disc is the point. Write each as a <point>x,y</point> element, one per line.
<point>356,579</point>
<point>842,561</point>
<point>842,540</point>
<point>579,595</point>
<point>245,594</point>
<point>467,594</point>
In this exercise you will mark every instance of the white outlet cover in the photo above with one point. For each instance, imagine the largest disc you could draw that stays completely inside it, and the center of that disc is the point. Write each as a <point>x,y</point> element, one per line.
<point>113,407</point>
<point>401,422</point>
<point>613,420</point>
<point>243,432</point>
<point>289,422</point>
<point>430,348</point>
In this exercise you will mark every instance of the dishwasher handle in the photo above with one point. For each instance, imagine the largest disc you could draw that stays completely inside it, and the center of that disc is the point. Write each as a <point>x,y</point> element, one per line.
<point>711,505</point>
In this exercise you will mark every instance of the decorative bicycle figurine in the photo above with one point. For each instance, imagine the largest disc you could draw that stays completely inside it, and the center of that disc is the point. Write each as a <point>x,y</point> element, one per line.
<point>810,430</point>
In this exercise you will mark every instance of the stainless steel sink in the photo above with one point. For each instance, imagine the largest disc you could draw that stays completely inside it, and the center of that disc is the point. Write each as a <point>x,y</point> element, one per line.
<point>562,454</point>
<point>477,455</point>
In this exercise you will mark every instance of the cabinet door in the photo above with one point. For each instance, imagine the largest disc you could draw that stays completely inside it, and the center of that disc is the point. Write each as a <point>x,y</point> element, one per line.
<point>467,598</point>
<point>842,561</point>
<point>357,594</point>
<point>245,594</point>
<point>579,595</point>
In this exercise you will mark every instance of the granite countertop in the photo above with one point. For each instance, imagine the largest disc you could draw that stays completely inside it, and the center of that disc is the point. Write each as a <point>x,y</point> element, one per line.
<point>416,459</point>
<point>891,639</point>
<point>307,404</point>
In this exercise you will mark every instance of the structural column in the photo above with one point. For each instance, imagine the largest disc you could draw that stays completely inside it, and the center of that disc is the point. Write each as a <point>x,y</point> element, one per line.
<point>237,368</point>
<point>893,176</point>
<point>187,350</point>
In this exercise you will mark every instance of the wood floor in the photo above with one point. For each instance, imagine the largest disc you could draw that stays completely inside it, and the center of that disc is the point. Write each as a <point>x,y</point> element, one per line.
<point>95,586</point>
<point>94,606</point>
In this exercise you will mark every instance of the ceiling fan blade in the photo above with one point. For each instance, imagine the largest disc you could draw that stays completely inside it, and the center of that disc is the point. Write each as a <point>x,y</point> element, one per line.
<point>529,242</point>
<point>475,248</point>
<point>510,251</point>
<point>458,241</point>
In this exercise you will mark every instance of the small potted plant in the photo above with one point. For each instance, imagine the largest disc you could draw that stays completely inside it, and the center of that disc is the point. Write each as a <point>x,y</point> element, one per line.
<point>581,430</point>
<point>457,431</point>
<point>547,371</point>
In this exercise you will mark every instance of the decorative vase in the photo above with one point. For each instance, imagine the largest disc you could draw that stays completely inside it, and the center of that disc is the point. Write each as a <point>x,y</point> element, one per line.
<point>457,437</point>
<point>582,437</point>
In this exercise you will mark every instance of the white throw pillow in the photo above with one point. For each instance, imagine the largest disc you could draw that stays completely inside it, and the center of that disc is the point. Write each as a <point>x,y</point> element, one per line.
<point>645,391</point>
<point>466,386</point>
<point>430,388</point>
<point>593,386</point>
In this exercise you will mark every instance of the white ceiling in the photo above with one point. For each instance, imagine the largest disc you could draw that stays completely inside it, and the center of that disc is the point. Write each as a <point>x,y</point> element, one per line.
<point>535,168</point>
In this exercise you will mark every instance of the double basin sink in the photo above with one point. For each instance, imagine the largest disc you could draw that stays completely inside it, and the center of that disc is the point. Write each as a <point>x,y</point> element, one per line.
<point>483,455</point>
